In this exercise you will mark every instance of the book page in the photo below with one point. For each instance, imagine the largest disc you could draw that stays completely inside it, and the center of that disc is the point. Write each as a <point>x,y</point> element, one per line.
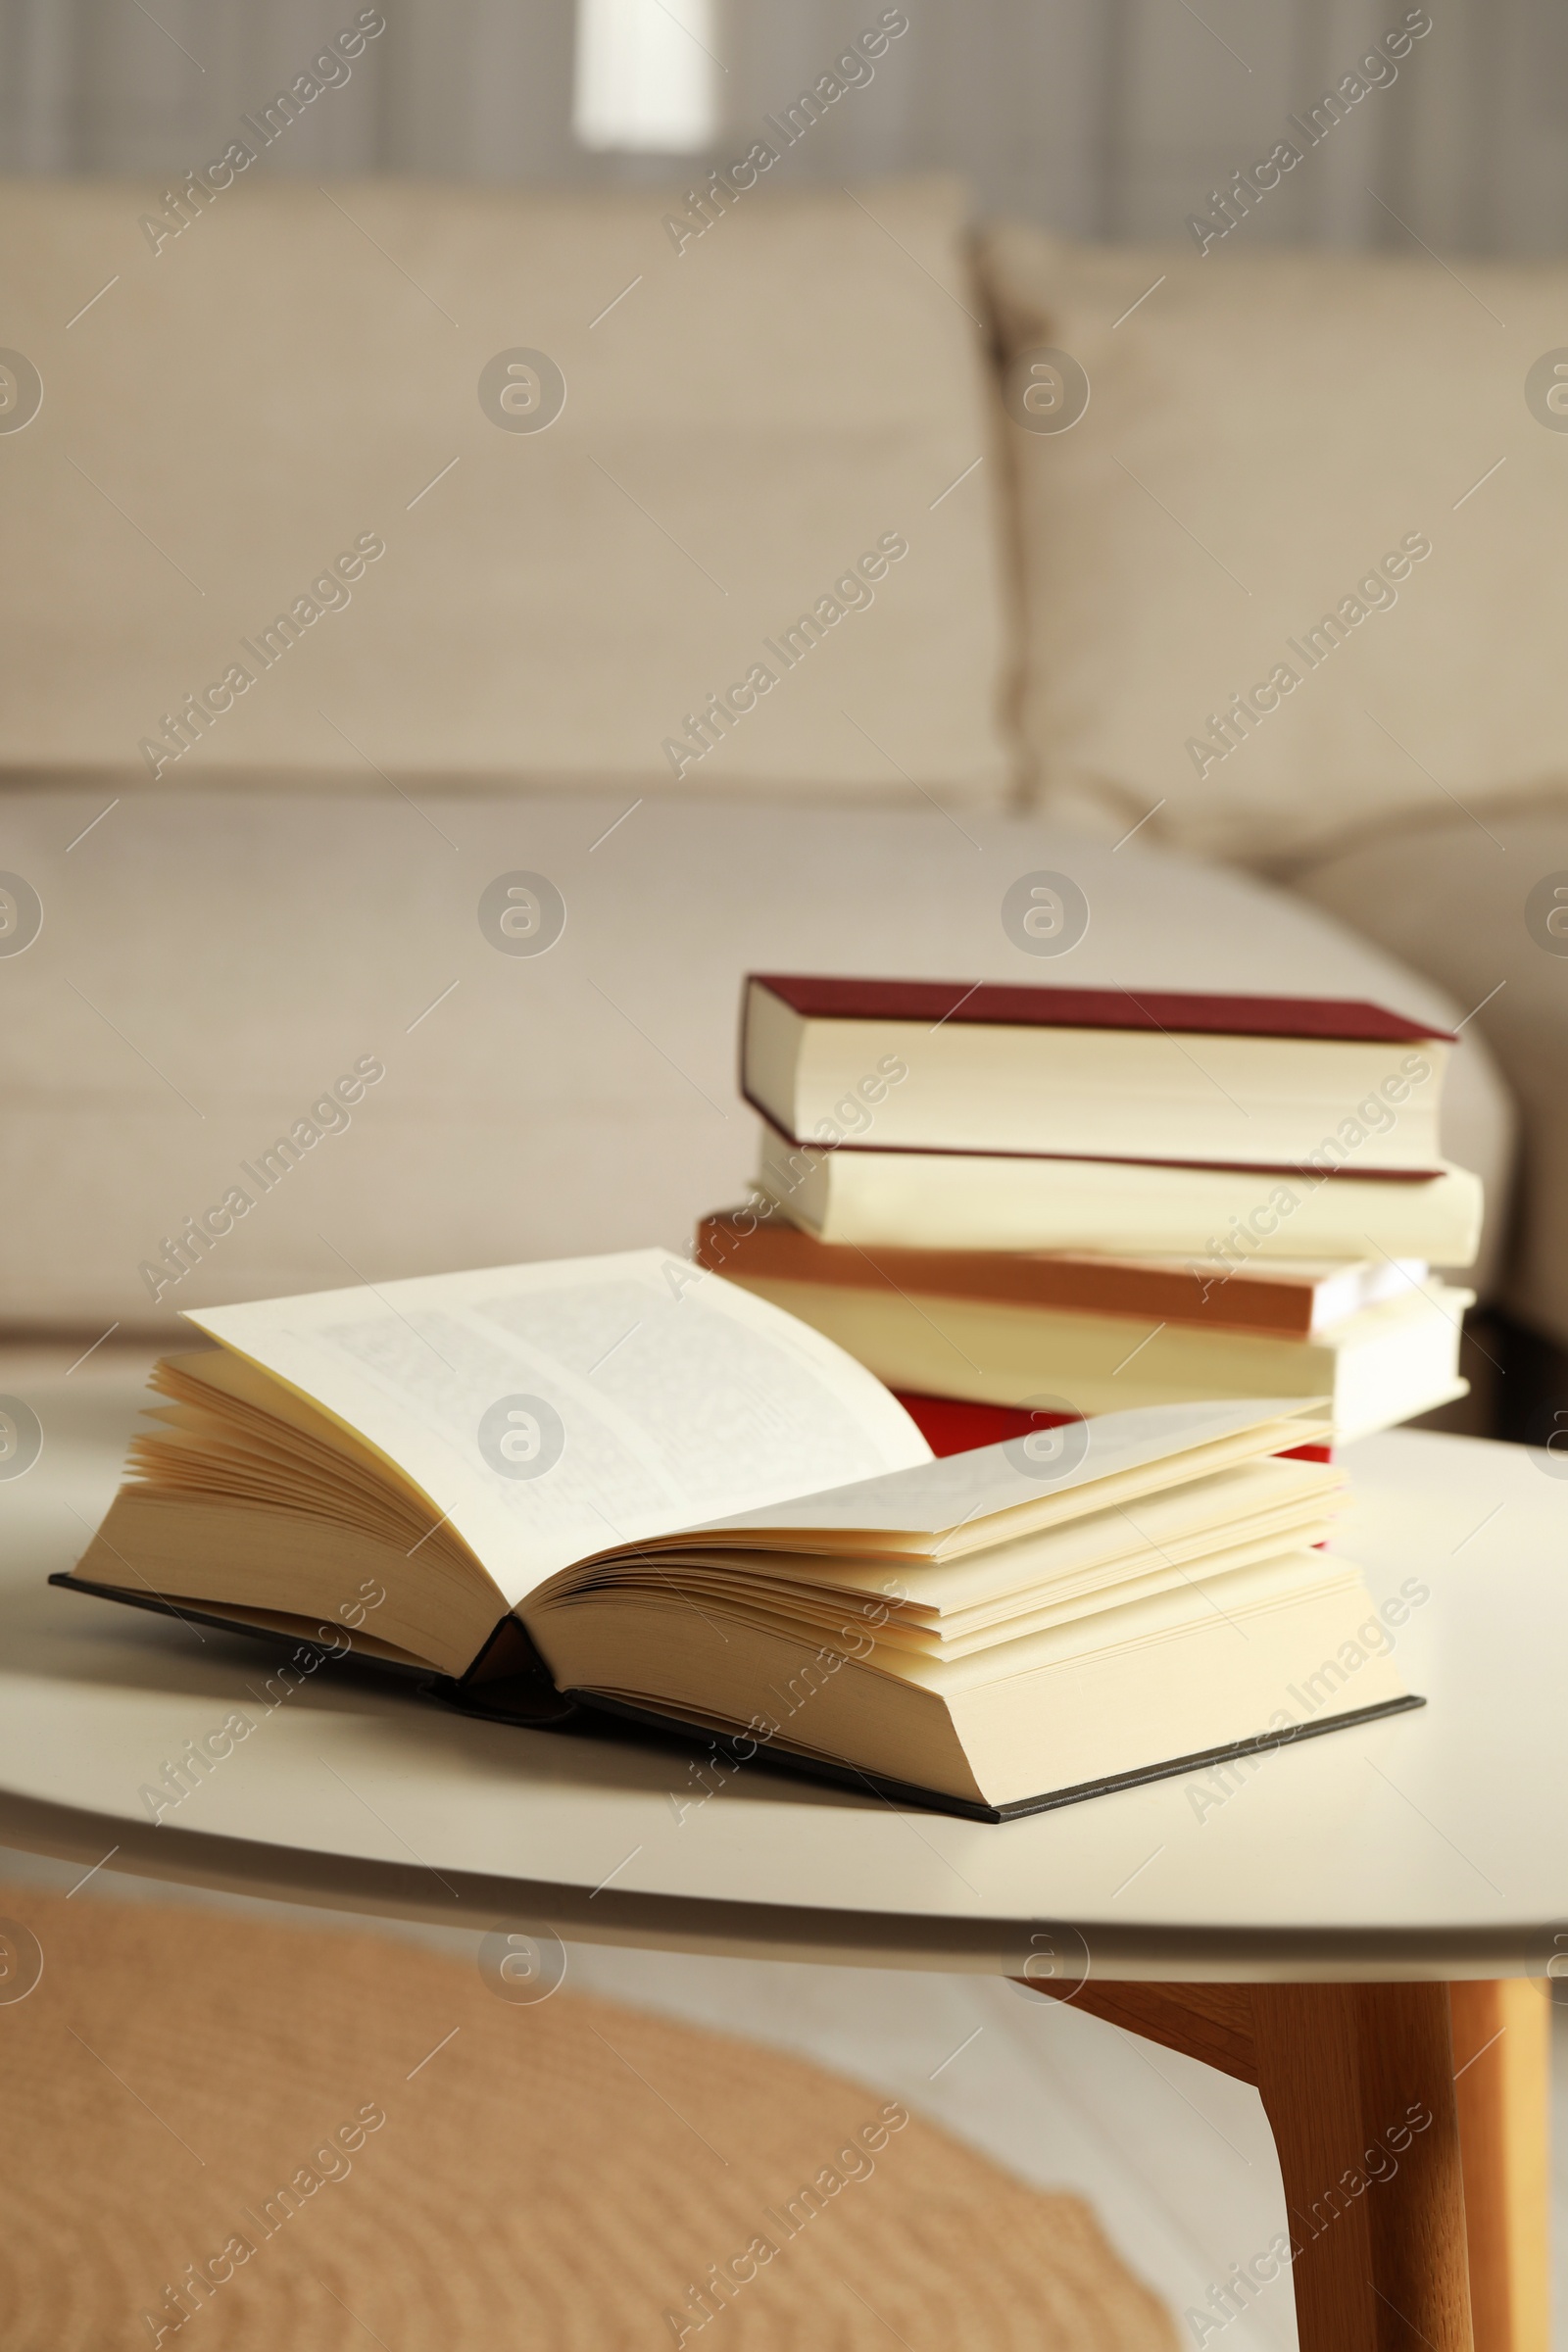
<point>552,1411</point>
<point>938,1498</point>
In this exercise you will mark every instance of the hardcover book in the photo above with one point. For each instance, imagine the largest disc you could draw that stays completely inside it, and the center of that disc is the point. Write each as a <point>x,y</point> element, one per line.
<point>925,1066</point>
<point>1215,1218</point>
<point>1381,1341</point>
<point>1286,1299</point>
<point>623,1487</point>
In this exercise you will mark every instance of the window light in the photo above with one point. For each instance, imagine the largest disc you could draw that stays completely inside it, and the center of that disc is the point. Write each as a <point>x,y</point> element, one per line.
<point>646,76</point>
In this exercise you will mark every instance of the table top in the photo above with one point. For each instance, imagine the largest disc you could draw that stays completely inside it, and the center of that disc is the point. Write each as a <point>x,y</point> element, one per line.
<point>1431,1844</point>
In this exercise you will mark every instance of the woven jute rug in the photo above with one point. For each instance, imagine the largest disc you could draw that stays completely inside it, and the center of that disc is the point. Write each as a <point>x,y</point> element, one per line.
<point>267,2138</point>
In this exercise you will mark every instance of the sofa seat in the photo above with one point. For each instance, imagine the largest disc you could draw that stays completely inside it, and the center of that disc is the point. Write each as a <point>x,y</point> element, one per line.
<point>211,962</point>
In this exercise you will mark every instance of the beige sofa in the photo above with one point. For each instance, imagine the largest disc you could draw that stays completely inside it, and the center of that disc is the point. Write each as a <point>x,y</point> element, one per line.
<point>1295,576</point>
<point>375,546</point>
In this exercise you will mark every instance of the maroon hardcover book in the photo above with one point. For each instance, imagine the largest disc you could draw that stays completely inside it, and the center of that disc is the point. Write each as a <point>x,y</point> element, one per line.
<point>933,1003</point>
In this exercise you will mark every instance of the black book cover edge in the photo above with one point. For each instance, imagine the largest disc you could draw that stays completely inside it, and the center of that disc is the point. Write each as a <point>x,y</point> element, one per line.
<point>518,1689</point>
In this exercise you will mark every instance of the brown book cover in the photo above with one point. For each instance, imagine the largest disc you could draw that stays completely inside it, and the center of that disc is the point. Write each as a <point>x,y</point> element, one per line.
<point>746,1247</point>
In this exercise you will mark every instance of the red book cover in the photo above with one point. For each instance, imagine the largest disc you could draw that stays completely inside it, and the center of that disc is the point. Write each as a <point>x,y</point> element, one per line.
<point>954,1425</point>
<point>1002,1004</point>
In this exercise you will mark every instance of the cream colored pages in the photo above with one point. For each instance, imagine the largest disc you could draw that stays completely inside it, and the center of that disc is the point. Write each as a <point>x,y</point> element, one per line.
<point>548,1412</point>
<point>1034,1469</point>
<point>1248,1101</point>
<point>1186,1522</point>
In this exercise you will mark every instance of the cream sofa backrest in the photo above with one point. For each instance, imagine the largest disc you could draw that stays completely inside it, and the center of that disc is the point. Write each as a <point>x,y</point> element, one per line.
<point>1296,572</point>
<point>478,486</point>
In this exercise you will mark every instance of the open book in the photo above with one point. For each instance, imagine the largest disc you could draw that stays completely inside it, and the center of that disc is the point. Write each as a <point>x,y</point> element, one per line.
<point>619,1484</point>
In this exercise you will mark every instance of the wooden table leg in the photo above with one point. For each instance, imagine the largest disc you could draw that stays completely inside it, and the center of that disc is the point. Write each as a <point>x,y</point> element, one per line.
<point>1503,2073</point>
<point>1357,2082</point>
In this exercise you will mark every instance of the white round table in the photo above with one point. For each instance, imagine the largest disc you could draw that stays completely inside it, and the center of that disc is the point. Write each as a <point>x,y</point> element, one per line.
<point>1297,1922</point>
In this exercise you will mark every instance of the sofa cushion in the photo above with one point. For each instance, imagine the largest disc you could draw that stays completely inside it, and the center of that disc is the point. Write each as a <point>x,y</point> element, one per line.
<point>1271,437</point>
<point>1473,909</point>
<point>557,1053</point>
<point>757,418</point>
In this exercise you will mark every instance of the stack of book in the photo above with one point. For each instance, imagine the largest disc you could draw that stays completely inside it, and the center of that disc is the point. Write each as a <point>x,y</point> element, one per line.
<point>1061,1201</point>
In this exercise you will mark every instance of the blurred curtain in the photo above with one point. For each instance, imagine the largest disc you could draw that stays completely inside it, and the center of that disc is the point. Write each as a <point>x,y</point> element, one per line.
<point>1101,117</point>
